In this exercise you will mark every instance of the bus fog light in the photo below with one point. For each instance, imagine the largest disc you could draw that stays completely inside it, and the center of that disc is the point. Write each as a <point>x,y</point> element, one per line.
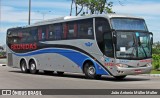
<point>120,72</point>
<point>148,65</point>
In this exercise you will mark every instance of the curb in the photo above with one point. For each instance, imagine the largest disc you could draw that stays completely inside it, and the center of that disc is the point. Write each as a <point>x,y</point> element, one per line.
<point>152,75</point>
<point>155,75</point>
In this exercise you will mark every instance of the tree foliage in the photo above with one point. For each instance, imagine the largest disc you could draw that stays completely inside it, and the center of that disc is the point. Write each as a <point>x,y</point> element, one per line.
<point>93,6</point>
<point>156,61</point>
<point>156,55</point>
<point>156,48</point>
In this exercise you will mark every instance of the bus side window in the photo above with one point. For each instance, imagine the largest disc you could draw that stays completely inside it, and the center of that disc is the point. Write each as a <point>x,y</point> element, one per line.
<point>32,35</point>
<point>39,33</point>
<point>102,26</point>
<point>70,30</point>
<point>51,35</point>
<point>58,31</point>
<point>85,29</point>
<point>14,37</point>
<point>24,36</point>
<point>43,33</point>
<point>104,36</point>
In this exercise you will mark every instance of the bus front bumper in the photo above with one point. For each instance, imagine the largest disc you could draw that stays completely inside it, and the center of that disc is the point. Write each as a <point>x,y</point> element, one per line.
<point>133,71</point>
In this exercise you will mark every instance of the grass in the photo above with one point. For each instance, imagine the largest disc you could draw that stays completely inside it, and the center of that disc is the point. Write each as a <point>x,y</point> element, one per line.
<point>155,72</point>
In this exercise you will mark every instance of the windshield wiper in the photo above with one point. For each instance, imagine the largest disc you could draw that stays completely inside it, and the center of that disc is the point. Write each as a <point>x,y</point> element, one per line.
<point>143,50</point>
<point>134,47</point>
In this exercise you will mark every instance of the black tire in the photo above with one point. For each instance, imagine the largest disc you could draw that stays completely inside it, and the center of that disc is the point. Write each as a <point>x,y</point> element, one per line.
<point>98,77</point>
<point>60,73</point>
<point>119,77</point>
<point>23,66</point>
<point>90,71</point>
<point>32,67</point>
<point>48,72</point>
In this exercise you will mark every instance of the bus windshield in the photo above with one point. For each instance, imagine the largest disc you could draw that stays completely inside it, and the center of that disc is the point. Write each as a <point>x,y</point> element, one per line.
<point>133,45</point>
<point>128,24</point>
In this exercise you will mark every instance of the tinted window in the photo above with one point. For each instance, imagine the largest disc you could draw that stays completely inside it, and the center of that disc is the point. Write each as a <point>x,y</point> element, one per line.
<point>13,37</point>
<point>104,36</point>
<point>70,30</point>
<point>51,32</point>
<point>43,33</point>
<point>85,29</point>
<point>25,36</point>
<point>32,36</point>
<point>102,26</point>
<point>58,31</point>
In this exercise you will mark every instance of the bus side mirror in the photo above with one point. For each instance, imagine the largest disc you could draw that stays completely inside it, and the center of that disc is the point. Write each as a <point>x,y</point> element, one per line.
<point>151,37</point>
<point>114,37</point>
<point>139,41</point>
<point>138,38</point>
<point>152,41</point>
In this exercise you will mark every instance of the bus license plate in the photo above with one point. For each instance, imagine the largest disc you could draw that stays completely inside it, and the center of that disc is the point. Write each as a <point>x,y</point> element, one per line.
<point>138,71</point>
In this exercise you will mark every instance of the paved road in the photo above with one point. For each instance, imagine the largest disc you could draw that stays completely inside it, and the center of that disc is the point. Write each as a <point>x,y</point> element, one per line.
<point>11,78</point>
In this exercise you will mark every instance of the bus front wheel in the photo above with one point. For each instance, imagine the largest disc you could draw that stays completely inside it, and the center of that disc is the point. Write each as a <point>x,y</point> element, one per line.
<point>23,66</point>
<point>32,67</point>
<point>90,71</point>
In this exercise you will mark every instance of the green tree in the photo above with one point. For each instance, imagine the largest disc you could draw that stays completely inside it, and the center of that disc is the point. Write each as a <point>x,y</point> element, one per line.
<point>156,48</point>
<point>93,6</point>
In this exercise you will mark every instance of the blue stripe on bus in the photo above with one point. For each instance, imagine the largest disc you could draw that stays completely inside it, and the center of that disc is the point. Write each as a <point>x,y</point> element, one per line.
<point>74,56</point>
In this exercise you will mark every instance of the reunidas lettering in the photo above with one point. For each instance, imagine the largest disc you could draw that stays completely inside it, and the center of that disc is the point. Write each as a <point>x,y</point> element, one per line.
<point>24,46</point>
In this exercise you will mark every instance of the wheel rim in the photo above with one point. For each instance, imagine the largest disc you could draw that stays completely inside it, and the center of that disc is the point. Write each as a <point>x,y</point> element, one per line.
<point>33,66</point>
<point>91,70</point>
<point>23,67</point>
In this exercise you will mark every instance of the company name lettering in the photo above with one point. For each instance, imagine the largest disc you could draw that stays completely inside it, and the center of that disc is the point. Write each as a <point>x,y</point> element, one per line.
<point>24,46</point>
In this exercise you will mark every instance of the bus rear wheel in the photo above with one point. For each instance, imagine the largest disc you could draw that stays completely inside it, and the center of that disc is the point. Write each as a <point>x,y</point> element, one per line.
<point>23,66</point>
<point>90,71</point>
<point>32,67</point>
<point>119,77</point>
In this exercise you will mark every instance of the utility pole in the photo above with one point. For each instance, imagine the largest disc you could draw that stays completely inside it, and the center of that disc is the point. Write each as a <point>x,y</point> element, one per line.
<point>29,18</point>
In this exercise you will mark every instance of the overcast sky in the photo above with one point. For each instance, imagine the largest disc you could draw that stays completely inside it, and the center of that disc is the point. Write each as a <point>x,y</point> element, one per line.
<point>14,13</point>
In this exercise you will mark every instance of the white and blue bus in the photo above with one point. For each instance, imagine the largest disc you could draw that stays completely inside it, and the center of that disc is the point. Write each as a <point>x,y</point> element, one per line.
<point>112,44</point>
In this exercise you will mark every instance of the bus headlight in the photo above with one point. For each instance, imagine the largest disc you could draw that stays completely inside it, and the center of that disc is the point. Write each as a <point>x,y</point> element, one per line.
<point>148,65</point>
<point>122,65</point>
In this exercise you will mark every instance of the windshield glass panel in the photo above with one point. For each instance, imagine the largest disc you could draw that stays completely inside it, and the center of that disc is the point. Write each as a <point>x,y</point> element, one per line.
<point>131,46</point>
<point>125,45</point>
<point>144,45</point>
<point>128,24</point>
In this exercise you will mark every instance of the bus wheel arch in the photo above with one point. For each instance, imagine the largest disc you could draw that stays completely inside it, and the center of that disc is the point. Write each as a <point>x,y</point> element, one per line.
<point>32,66</point>
<point>23,65</point>
<point>89,69</point>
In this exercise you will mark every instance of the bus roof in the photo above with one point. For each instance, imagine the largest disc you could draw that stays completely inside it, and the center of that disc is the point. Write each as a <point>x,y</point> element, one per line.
<point>70,18</point>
